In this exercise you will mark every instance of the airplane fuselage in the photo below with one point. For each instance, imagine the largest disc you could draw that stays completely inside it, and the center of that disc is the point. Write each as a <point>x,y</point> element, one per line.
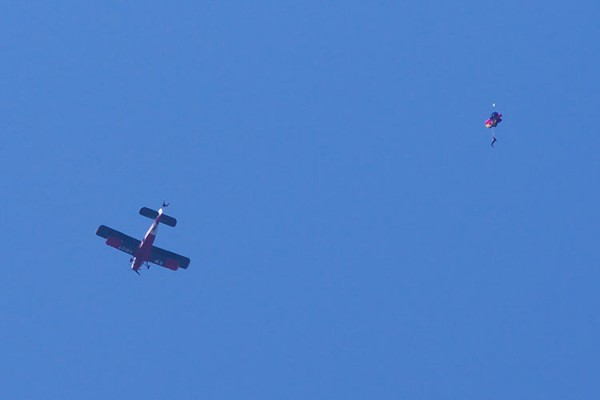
<point>143,252</point>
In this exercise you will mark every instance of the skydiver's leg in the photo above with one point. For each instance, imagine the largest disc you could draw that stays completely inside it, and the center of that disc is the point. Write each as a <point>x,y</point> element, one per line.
<point>493,140</point>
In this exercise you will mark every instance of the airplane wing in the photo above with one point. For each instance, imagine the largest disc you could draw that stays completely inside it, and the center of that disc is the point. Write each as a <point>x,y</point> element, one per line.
<point>152,214</point>
<point>118,240</point>
<point>168,259</point>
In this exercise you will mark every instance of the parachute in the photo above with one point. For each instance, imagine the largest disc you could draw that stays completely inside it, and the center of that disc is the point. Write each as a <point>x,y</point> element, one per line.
<point>494,120</point>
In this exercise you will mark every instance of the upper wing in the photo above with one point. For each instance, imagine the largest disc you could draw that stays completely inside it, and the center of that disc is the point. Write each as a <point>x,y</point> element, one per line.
<point>152,214</point>
<point>118,240</point>
<point>167,259</point>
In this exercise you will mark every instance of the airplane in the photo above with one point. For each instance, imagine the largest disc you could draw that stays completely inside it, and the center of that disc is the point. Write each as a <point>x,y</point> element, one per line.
<point>144,252</point>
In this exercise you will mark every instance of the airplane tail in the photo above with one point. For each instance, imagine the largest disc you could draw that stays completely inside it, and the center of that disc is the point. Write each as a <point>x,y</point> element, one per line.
<point>152,214</point>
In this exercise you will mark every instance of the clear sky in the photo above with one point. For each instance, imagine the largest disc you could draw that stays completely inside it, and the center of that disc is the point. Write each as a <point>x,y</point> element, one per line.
<point>352,233</point>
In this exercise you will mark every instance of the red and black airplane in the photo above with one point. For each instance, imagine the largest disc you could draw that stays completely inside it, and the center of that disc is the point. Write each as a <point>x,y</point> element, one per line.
<point>145,252</point>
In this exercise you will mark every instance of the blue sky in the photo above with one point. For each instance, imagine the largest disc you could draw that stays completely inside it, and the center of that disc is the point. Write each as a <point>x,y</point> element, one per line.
<point>351,231</point>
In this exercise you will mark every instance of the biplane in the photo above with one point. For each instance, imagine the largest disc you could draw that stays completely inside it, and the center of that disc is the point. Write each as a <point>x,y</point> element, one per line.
<point>144,252</point>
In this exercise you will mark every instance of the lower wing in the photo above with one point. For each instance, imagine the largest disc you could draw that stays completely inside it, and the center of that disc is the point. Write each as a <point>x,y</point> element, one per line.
<point>167,259</point>
<point>118,240</point>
